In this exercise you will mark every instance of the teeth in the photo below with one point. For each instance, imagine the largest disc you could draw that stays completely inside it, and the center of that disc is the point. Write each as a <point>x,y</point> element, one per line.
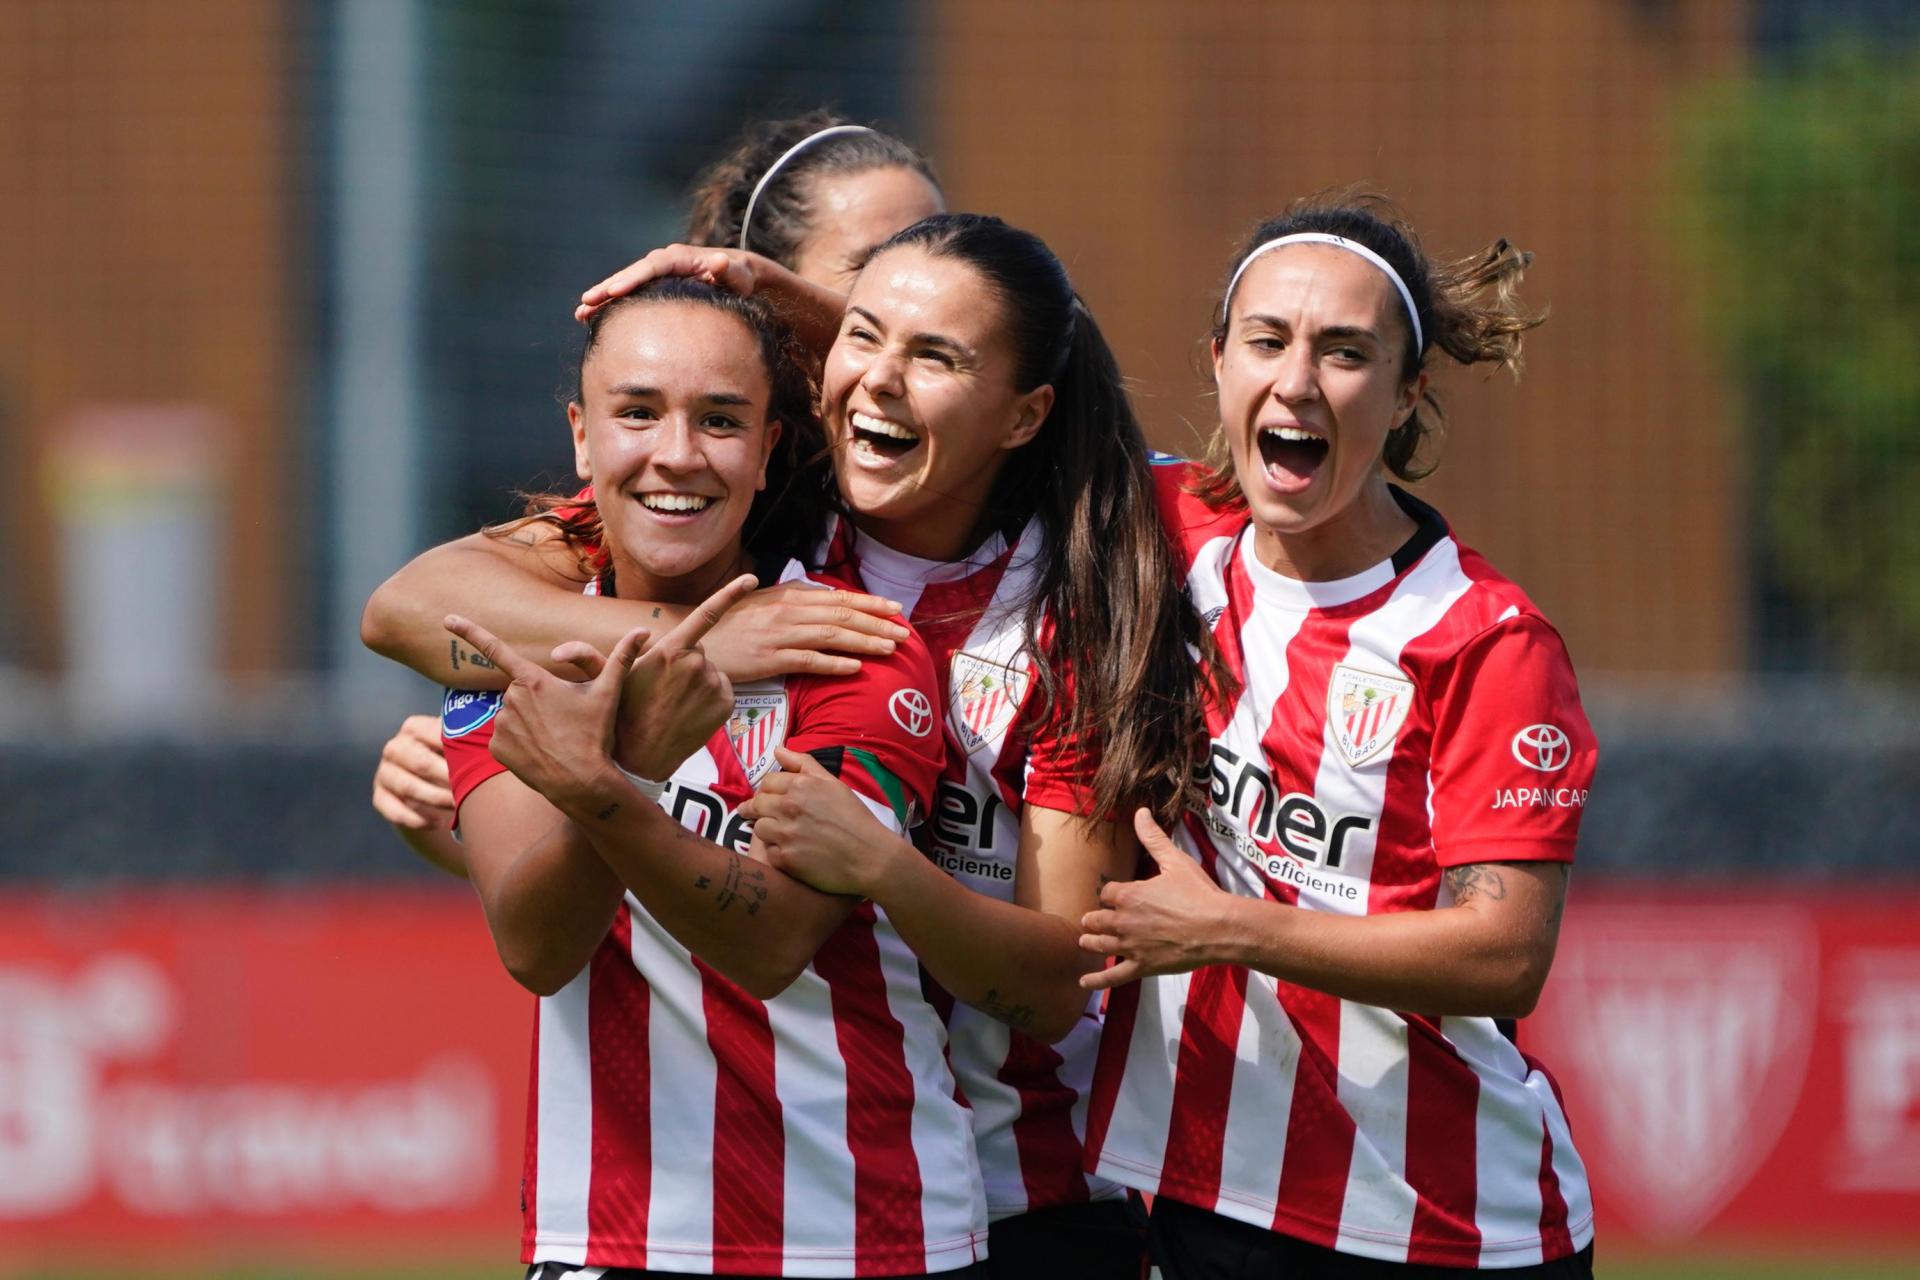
<point>1293,435</point>
<point>881,427</point>
<point>674,502</point>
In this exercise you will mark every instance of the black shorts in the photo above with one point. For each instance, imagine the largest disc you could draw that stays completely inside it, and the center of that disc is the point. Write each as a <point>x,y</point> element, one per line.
<point>568,1271</point>
<point>1197,1244</point>
<point>1105,1240</point>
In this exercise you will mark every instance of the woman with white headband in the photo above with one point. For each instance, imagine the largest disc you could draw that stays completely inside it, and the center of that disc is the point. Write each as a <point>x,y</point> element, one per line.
<point>1309,1056</point>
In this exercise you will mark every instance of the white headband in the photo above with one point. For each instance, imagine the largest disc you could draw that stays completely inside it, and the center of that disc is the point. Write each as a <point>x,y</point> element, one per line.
<point>1338,242</point>
<point>792,151</point>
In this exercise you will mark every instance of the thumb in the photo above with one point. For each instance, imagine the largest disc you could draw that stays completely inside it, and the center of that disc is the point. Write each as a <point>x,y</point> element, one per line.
<point>626,653</point>
<point>799,762</point>
<point>1158,844</point>
<point>581,656</point>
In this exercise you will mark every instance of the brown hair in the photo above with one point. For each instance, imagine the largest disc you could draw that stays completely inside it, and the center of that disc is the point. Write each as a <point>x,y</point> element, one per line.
<point>782,218</point>
<point>1469,310</point>
<point>788,517</point>
<point>1107,598</point>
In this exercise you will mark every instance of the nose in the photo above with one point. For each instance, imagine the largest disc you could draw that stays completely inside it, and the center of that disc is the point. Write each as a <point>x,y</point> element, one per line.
<point>676,445</point>
<point>1298,377</point>
<point>883,378</point>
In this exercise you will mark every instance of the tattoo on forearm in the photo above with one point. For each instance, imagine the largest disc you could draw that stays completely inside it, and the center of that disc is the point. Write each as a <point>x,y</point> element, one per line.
<point>1014,1015</point>
<point>459,654</point>
<point>744,881</point>
<point>656,612</point>
<point>612,808</point>
<point>1477,881</point>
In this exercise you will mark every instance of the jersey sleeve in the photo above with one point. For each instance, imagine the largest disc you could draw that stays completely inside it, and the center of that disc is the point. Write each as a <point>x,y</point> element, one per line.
<point>466,730</point>
<point>1059,769</point>
<point>1513,754</point>
<point>879,730</point>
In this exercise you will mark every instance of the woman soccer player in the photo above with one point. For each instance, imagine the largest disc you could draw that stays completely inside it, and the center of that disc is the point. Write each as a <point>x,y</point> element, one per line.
<point>734,1074</point>
<point>822,192</point>
<point>998,486</point>
<point>1309,1058</point>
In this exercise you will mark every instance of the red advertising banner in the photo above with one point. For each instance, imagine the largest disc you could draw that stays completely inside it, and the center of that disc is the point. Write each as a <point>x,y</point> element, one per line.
<point>1742,1069</point>
<point>189,1076</point>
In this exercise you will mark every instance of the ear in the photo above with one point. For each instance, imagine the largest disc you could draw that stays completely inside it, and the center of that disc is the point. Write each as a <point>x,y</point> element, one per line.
<point>774,430</point>
<point>577,422</point>
<point>1410,394</point>
<point>1217,347</point>
<point>1030,414</point>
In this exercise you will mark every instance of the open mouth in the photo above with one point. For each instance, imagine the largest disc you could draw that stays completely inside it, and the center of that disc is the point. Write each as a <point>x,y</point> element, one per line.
<point>1291,455</point>
<point>675,504</point>
<point>881,436</point>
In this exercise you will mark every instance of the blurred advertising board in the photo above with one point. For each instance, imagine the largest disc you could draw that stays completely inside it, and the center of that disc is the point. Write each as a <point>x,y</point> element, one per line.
<point>192,1076</point>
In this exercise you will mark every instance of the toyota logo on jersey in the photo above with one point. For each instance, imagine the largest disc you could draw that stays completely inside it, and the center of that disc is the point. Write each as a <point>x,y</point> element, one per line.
<point>1543,747</point>
<point>912,711</point>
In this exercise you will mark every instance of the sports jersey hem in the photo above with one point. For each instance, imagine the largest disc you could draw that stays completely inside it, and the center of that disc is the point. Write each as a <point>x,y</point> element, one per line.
<point>1533,849</point>
<point>1526,1250</point>
<point>939,1255</point>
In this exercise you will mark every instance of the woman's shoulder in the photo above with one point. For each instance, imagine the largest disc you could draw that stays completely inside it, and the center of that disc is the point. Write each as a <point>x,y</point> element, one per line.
<point>1490,614</point>
<point>1195,506</point>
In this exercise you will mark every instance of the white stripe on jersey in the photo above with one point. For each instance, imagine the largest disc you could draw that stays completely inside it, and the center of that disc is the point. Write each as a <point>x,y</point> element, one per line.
<point>563,1135</point>
<point>949,1172</point>
<point>811,1081</point>
<point>1373,1090</point>
<point>1153,1054</point>
<point>1261,1073</point>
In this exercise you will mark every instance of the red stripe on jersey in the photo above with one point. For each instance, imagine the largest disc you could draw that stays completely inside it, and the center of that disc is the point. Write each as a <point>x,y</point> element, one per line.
<point>886,1174</point>
<point>1555,1239</point>
<point>1123,1005</point>
<point>749,1138</point>
<point>1203,1081</point>
<point>1320,1131</point>
<point>530,1158</point>
<point>1049,1148</point>
<point>1226,636</point>
<point>1443,1096</point>
<point>622,1170</point>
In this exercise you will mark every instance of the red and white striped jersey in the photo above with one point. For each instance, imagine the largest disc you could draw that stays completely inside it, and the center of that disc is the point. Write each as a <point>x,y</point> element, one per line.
<point>1029,1098</point>
<point>676,1123</point>
<point>1417,716</point>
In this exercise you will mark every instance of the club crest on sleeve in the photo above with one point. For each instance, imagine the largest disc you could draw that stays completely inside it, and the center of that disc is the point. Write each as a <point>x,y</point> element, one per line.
<point>758,725</point>
<point>984,697</point>
<point>1365,709</point>
<point>464,711</point>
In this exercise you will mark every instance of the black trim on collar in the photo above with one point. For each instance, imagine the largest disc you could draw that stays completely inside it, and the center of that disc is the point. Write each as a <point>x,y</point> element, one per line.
<point>1433,527</point>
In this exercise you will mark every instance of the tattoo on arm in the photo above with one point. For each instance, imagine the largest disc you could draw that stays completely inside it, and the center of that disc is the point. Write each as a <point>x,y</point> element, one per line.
<point>744,881</point>
<point>1481,880</point>
<point>1014,1015</point>
<point>1560,902</point>
<point>612,808</point>
<point>459,653</point>
<point>656,611</point>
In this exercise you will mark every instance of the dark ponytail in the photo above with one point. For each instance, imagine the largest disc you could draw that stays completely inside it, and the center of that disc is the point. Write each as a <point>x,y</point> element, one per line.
<point>1106,580</point>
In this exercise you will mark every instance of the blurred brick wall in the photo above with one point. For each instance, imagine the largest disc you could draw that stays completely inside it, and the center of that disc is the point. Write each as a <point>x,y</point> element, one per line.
<point>143,259</point>
<point>1144,139</point>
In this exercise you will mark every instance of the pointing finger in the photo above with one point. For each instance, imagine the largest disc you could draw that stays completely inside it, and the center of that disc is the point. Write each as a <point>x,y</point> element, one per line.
<point>707,614</point>
<point>490,646</point>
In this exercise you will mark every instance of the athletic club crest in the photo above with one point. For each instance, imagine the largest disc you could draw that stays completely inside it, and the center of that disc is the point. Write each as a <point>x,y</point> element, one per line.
<point>757,726</point>
<point>985,697</point>
<point>1365,709</point>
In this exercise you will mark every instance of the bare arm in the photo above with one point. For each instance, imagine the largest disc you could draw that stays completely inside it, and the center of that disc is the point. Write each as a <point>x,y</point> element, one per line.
<point>755,925</point>
<point>1487,954</point>
<point>1017,961</point>
<point>548,898</point>
<point>813,311</point>
<point>525,589</point>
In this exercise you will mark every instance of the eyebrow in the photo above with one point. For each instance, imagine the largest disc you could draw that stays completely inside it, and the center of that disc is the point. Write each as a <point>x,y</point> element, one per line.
<point>639,392</point>
<point>927,339</point>
<point>1331,331</point>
